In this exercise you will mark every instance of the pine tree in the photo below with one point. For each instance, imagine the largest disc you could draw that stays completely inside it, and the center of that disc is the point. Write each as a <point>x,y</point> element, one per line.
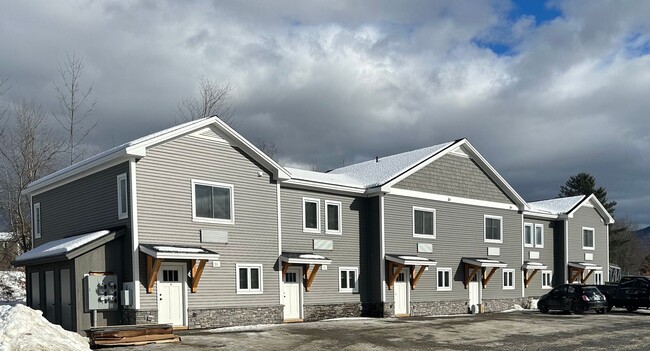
<point>585,184</point>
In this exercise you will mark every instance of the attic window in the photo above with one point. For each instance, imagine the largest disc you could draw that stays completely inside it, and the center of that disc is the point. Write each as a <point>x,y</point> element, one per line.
<point>213,202</point>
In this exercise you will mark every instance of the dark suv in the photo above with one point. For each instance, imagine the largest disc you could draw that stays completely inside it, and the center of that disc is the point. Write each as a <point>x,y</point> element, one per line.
<point>573,297</point>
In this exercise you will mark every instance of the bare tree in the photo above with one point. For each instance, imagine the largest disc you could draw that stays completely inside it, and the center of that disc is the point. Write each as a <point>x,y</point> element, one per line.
<point>628,253</point>
<point>267,147</point>
<point>213,100</point>
<point>77,105</point>
<point>28,151</point>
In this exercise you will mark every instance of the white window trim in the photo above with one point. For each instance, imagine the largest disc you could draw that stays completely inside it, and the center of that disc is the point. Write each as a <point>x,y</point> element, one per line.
<point>339,214</point>
<point>535,235</point>
<point>37,215</point>
<point>485,239</point>
<point>122,213</point>
<point>550,279</point>
<point>356,283</point>
<point>582,234</point>
<point>598,274</point>
<point>424,209</point>
<point>218,185</point>
<point>512,272</point>
<point>532,234</point>
<point>304,228</point>
<point>249,291</point>
<point>443,288</point>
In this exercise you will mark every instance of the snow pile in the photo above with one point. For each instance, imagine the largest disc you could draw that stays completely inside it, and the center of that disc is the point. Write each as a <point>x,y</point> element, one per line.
<point>244,328</point>
<point>12,286</point>
<point>22,328</point>
<point>532,304</point>
<point>514,308</point>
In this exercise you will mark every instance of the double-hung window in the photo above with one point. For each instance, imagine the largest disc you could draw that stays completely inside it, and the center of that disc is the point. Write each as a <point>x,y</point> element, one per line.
<point>332,217</point>
<point>539,235</point>
<point>528,235</point>
<point>249,278</point>
<point>349,279</point>
<point>508,279</point>
<point>37,220</point>
<point>444,279</point>
<point>493,232</point>
<point>213,202</point>
<point>310,215</point>
<point>122,197</point>
<point>424,222</point>
<point>547,277</point>
<point>598,278</point>
<point>588,238</point>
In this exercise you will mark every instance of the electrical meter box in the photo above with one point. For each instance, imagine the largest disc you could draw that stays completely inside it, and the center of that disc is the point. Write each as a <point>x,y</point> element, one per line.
<point>101,291</point>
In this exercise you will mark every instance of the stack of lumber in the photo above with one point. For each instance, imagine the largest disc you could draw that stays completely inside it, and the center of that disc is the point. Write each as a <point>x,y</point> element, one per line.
<point>130,335</point>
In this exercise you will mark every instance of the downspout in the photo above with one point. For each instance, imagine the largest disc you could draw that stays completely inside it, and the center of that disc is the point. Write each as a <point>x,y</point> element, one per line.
<point>382,249</point>
<point>566,251</point>
<point>135,258</point>
<point>279,204</point>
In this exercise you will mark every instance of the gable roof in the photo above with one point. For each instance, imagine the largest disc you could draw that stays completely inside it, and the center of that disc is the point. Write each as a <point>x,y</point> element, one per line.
<point>137,149</point>
<point>569,205</point>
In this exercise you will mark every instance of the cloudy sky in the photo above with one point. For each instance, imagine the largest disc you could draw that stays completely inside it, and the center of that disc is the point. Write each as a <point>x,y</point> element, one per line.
<point>544,91</point>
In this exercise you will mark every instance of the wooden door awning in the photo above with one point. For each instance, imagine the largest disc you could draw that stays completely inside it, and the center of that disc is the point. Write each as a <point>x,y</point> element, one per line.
<point>397,262</point>
<point>577,270</point>
<point>530,269</point>
<point>472,266</point>
<point>197,256</point>
<point>311,265</point>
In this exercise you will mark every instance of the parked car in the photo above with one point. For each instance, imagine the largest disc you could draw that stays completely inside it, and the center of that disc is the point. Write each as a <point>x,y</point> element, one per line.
<point>632,292</point>
<point>575,298</point>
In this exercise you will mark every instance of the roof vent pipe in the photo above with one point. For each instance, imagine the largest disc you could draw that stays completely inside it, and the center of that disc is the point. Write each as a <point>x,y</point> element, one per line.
<point>376,159</point>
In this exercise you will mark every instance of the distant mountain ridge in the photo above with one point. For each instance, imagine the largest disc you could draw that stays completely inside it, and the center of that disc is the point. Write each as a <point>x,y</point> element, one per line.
<point>644,237</point>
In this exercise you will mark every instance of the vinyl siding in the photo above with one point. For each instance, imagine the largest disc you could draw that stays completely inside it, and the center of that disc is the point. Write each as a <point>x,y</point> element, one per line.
<point>545,254</point>
<point>347,251</point>
<point>371,241</point>
<point>455,176</point>
<point>459,233</point>
<point>588,217</point>
<point>165,217</point>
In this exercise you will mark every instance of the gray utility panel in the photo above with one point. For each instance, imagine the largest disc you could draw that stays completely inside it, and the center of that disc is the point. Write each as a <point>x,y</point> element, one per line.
<point>102,291</point>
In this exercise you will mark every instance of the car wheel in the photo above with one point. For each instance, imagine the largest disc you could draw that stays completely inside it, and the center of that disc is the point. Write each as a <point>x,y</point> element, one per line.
<point>601,311</point>
<point>609,306</point>
<point>543,307</point>
<point>631,308</point>
<point>577,308</point>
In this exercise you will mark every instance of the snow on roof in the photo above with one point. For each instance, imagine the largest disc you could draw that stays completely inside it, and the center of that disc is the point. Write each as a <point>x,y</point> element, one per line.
<point>179,249</point>
<point>560,205</point>
<point>61,246</point>
<point>312,256</point>
<point>371,173</point>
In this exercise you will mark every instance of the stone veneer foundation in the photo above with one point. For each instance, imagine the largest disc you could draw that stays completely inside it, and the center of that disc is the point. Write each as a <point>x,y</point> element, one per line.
<point>320,312</point>
<point>232,316</point>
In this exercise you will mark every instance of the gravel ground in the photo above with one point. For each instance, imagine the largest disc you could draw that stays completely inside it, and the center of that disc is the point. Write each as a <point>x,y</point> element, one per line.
<point>525,330</point>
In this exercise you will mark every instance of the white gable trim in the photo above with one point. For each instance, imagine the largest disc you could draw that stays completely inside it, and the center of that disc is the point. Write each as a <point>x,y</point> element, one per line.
<point>452,199</point>
<point>592,201</point>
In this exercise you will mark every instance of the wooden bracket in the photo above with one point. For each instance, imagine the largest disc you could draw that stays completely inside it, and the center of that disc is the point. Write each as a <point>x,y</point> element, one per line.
<point>469,274</point>
<point>285,268</point>
<point>311,274</point>
<point>574,272</point>
<point>197,271</point>
<point>416,277</point>
<point>153,265</point>
<point>393,275</point>
<point>584,279</point>
<point>529,278</point>
<point>487,278</point>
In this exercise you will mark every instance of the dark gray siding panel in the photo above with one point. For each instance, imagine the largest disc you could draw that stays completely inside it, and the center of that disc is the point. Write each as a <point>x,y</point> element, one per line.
<point>347,250</point>
<point>372,241</point>
<point>588,217</point>
<point>165,216</point>
<point>545,255</point>
<point>459,233</point>
<point>559,240</point>
<point>455,176</point>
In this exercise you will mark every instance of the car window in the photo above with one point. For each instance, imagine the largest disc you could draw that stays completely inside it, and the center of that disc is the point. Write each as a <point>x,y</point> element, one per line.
<point>590,291</point>
<point>643,283</point>
<point>627,283</point>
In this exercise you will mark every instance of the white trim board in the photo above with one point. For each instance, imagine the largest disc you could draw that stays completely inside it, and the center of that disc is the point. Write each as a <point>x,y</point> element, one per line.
<point>452,199</point>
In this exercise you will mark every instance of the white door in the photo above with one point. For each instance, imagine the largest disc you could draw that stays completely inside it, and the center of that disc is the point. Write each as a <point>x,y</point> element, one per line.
<point>291,298</point>
<point>474,293</point>
<point>171,294</point>
<point>400,289</point>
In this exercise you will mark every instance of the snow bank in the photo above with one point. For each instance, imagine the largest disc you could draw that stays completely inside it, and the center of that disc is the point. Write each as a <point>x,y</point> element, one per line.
<point>243,328</point>
<point>12,286</point>
<point>23,329</point>
<point>532,304</point>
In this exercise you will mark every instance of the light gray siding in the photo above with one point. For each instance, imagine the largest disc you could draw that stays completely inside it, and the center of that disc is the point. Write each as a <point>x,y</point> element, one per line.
<point>545,254</point>
<point>347,250</point>
<point>165,216</point>
<point>588,217</point>
<point>459,233</point>
<point>455,176</point>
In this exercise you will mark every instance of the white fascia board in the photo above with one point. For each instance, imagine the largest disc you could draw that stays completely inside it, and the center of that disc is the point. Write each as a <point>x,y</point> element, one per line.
<point>597,205</point>
<point>453,199</point>
<point>305,261</point>
<point>180,255</point>
<point>306,184</point>
<point>532,214</point>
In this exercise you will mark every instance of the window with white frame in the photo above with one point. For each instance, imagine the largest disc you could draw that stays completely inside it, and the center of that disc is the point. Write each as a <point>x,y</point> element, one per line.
<point>348,279</point>
<point>493,232</point>
<point>332,217</point>
<point>508,279</point>
<point>598,278</point>
<point>424,222</point>
<point>547,277</point>
<point>528,234</point>
<point>37,220</point>
<point>444,279</point>
<point>249,278</point>
<point>310,215</point>
<point>539,235</point>
<point>588,238</point>
<point>122,197</point>
<point>213,202</point>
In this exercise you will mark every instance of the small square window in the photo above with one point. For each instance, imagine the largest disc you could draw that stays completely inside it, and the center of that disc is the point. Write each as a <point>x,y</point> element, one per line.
<point>539,235</point>
<point>249,279</point>
<point>508,279</point>
<point>547,277</point>
<point>424,222</point>
<point>528,235</point>
<point>588,238</point>
<point>311,215</point>
<point>493,232</point>
<point>444,279</point>
<point>348,279</point>
<point>332,217</point>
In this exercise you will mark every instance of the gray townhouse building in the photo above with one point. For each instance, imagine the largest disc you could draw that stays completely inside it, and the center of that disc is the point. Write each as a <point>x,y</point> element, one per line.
<point>196,227</point>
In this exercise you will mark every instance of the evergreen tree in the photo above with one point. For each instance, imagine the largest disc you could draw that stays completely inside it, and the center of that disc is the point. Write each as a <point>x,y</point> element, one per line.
<point>585,184</point>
